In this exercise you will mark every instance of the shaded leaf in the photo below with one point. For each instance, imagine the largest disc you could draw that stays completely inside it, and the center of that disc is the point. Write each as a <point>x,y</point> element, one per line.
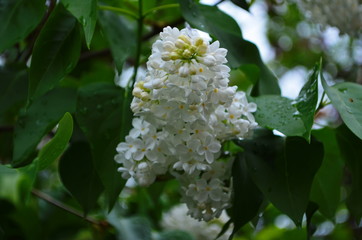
<point>283,169</point>
<point>120,35</point>
<point>276,112</point>
<point>57,145</point>
<point>346,97</point>
<point>86,13</point>
<point>247,197</point>
<point>41,116</point>
<point>307,101</point>
<point>99,113</point>
<point>351,149</point>
<point>326,188</point>
<point>241,3</point>
<point>13,91</point>
<point>79,176</point>
<point>56,52</point>
<point>220,25</point>
<point>18,18</point>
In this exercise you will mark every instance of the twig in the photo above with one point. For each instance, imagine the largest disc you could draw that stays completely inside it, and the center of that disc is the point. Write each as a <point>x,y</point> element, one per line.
<point>64,207</point>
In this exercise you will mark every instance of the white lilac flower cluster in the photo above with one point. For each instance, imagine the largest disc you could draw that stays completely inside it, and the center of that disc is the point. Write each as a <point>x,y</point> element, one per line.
<point>346,15</point>
<point>185,111</point>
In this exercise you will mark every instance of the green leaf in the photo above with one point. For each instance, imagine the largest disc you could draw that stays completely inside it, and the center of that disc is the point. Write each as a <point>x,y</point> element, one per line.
<point>130,228</point>
<point>56,52</point>
<point>41,116</point>
<point>57,145</point>
<point>99,113</point>
<point>175,235</point>
<point>18,18</point>
<point>276,112</point>
<point>283,169</point>
<point>346,97</point>
<point>307,101</point>
<point>247,197</point>
<point>326,188</point>
<point>351,149</point>
<point>86,13</point>
<point>241,3</point>
<point>121,36</point>
<point>79,175</point>
<point>13,91</point>
<point>226,30</point>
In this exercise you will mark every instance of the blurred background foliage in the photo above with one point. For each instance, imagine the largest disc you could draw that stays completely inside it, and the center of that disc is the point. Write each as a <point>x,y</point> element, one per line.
<point>66,68</point>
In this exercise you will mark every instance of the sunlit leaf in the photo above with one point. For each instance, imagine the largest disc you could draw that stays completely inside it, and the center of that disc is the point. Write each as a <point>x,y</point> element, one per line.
<point>56,52</point>
<point>86,13</point>
<point>276,112</point>
<point>351,150</point>
<point>79,176</point>
<point>307,100</point>
<point>346,97</point>
<point>99,114</point>
<point>18,18</point>
<point>41,116</point>
<point>220,25</point>
<point>283,169</point>
<point>57,145</point>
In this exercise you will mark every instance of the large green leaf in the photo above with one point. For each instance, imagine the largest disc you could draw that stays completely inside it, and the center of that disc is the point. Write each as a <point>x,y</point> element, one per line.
<point>276,112</point>
<point>247,197</point>
<point>57,145</point>
<point>326,188</point>
<point>41,116</point>
<point>283,169</point>
<point>307,101</point>
<point>226,30</point>
<point>346,97</point>
<point>56,52</point>
<point>13,91</point>
<point>351,150</point>
<point>86,13</point>
<point>121,37</point>
<point>99,114</point>
<point>79,175</point>
<point>18,18</point>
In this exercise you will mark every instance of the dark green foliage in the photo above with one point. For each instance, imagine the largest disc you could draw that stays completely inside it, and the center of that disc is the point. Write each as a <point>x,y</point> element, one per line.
<point>37,120</point>
<point>18,18</point>
<point>351,150</point>
<point>78,174</point>
<point>283,169</point>
<point>99,110</point>
<point>56,52</point>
